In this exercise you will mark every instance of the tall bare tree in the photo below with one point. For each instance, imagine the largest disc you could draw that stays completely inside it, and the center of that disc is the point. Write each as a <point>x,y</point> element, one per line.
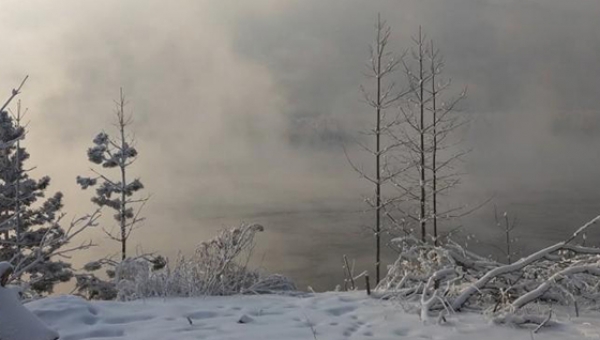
<point>445,123</point>
<point>412,135</point>
<point>434,68</point>
<point>380,96</point>
<point>119,153</point>
<point>429,153</point>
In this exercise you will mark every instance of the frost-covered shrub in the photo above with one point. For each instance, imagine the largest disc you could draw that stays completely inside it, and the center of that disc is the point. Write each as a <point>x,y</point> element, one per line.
<point>217,267</point>
<point>272,283</point>
<point>118,276</point>
<point>96,288</point>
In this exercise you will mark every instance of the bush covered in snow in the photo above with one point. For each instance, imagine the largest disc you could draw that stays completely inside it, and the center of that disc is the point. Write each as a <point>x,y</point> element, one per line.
<point>447,278</point>
<point>217,267</point>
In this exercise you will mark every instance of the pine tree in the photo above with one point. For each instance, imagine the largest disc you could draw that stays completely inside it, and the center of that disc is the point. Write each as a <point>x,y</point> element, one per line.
<point>117,194</point>
<point>28,220</point>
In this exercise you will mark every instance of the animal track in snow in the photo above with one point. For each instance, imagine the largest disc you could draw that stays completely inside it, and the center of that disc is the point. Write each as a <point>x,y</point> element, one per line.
<point>339,311</point>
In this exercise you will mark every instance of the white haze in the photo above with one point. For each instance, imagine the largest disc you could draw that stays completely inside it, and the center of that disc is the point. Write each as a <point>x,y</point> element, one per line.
<point>242,107</point>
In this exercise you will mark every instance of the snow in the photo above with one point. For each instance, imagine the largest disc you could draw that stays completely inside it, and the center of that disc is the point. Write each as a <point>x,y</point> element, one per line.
<point>322,316</point>
<point>17,323</point>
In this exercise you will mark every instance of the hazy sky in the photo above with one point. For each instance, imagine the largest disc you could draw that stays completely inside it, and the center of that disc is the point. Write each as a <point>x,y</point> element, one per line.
<point>241,107</point>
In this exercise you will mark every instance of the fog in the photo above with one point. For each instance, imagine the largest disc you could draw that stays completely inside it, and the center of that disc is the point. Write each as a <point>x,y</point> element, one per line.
<point>241,110</point>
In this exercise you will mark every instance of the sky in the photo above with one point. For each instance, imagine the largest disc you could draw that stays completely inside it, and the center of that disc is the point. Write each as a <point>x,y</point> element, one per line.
<point>242,109</point>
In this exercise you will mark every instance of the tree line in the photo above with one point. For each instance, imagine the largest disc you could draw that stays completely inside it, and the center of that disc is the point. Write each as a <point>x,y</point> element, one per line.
<point>34,236</point>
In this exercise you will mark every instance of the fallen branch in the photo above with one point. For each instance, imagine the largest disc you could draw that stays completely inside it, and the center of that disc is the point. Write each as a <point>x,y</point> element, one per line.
<point>550,282</point>
<point>544,323</point>
<point>539,255</point>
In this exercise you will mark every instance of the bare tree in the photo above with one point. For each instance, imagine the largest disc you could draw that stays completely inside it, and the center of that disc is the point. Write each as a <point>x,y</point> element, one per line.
<point>444,123</point>
<point>413,150</point>
<point>383,95</point>
<point>426,161</point>
<point>412,135</point>
<point>507,226</point>
<point>434,169</point>
<point>119,153</point>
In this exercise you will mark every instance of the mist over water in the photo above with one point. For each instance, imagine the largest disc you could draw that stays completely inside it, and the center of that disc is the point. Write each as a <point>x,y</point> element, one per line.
<point>241,109</point>
<point>308,245</point>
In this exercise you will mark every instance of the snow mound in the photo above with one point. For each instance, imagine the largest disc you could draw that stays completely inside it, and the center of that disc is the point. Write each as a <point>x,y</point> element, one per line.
<point>329,316</point>
<point>17,323</point>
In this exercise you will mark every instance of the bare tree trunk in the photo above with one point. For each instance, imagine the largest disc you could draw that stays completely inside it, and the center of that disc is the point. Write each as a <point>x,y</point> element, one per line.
<point>122,165</point>
<point>423,195</point>
<point>436,131</point>
<point>435,147</point>
<point>381,64</point>
<point>378,158</point>
<point>507,231</point>
<point>18,171</point>
<point>18,184</point>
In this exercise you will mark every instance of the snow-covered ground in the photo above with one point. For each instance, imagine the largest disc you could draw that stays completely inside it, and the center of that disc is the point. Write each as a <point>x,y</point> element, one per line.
<point>323,316</point>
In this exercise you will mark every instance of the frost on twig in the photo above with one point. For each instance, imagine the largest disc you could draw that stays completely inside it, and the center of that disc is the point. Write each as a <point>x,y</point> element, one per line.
<point>218,267</point>
<point>33,236</point>
<point>54,245</point>
<point>448,278</point>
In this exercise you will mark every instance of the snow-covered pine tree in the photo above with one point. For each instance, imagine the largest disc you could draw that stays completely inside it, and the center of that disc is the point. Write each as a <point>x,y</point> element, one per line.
<point>117,194</point>
<point>28,220</point>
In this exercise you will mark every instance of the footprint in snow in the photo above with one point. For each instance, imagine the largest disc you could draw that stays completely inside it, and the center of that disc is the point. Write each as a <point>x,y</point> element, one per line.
<point>93,310</point>
<point>339,311</point>
<point>401,331</point>
<point>354,328</point>
<point>88,319</point>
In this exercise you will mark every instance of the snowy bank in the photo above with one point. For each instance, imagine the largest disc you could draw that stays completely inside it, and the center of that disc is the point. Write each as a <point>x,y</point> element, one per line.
<point>16,322</point>
<point>324,316</point>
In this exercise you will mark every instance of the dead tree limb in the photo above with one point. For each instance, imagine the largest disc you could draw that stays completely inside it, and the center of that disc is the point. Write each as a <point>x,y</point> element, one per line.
<point>522,263</point>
